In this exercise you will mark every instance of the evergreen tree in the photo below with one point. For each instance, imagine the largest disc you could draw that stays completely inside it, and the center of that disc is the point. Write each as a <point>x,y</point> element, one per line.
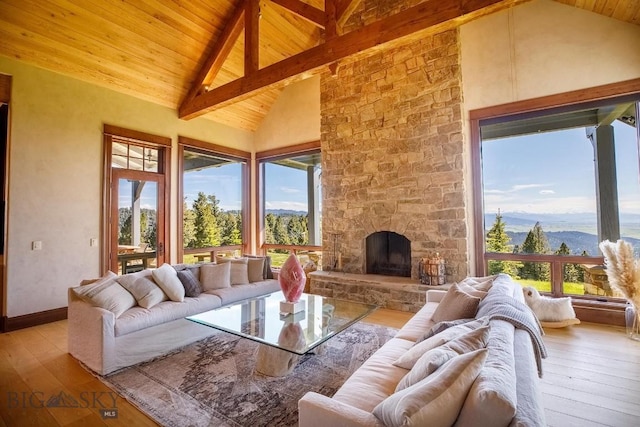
<point>269,226</point>
<point>231,234</point>
<point>536,243</point>
<point>571,271</point>
<point>498,241</point>
<point>295,230</point>
<point>280,235</point>
<point>188,226</point>
<point>205,223</point>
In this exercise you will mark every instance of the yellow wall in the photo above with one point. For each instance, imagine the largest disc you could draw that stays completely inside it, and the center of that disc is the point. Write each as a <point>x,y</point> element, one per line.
<point>55,184</point>
<point>541,48</point>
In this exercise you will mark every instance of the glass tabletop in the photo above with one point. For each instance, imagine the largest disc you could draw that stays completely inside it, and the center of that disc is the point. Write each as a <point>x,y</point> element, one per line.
<point>259,319</point>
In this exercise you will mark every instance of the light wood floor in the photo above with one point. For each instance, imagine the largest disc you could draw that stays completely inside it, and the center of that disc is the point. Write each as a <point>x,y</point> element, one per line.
<point>591,377</point>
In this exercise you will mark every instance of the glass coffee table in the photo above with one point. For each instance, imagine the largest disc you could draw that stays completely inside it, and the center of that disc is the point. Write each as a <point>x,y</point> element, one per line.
<point>284,337</point>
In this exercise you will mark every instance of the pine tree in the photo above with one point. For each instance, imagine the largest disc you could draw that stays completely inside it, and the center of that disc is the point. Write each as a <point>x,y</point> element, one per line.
<point>207,233</point>
<point>279,232</point>
<point>536,243</point>
<point>498,241</point>
<point>571,271</point>
<point>269,225</point>
<point>188,226</point>
<point>295,231</point>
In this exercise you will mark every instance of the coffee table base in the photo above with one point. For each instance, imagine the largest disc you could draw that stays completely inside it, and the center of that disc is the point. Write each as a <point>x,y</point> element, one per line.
<point>274,362</point>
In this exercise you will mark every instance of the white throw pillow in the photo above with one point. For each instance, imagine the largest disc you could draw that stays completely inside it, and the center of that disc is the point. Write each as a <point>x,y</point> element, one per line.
<point>239,269</point>
<point>436,400</point>
<point>471,340</point>
<point>143,288</point>
<point>433,359</point>
<point>215,276</point>
<point>108,294</point>
<point>167,278</point>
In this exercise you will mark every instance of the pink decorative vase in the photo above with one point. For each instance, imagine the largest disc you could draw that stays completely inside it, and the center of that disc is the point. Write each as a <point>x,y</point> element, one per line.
<point>292,279</point>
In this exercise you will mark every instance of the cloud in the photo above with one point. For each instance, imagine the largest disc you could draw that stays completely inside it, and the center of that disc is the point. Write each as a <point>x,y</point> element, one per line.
<point>293,206</point>
<point>289,190</point>
<point>547,192</point>
<point>511,203</point>
<point>516,188</point>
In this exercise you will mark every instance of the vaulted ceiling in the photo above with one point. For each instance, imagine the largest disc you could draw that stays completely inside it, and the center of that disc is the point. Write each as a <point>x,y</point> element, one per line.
<point>192,55</point>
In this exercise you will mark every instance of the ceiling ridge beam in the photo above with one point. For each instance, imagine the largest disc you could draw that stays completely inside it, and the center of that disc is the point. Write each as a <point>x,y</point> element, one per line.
<point>251,37</point>
<point>219,53</point>
<point>304,64</point>
<point>331,28</point>
<point>303,10</point>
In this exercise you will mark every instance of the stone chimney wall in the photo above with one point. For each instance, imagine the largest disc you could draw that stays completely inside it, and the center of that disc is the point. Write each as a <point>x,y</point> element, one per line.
<point>392,153</point>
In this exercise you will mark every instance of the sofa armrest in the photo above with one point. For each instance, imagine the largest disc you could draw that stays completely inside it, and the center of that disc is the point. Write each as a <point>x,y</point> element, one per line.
<point>91,334</point>
<point>316,410</point>
<point>435,295</point>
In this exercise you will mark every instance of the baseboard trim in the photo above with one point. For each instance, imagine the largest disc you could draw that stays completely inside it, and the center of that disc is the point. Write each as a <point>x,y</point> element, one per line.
<point>33,319</point>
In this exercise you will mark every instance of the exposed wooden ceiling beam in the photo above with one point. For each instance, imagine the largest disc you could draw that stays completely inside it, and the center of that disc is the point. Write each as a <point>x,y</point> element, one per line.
<point>304,64</point>
<point>331,29</point>
<point>219,54</point>
<point>345,9</point>
<point>251,37</point>
<point>304,11</point>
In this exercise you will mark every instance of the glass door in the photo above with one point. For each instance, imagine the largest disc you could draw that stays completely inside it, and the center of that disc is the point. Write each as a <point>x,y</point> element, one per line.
<point>137,221</point>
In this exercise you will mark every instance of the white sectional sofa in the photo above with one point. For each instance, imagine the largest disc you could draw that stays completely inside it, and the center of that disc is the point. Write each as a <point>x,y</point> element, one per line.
<point>106,340</point>
<point>505,392</point>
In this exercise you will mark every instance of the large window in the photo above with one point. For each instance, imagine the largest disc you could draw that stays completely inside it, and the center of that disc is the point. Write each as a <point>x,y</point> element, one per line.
<point>290,203</point>
<point>552,184</point>
<point>213,200</point>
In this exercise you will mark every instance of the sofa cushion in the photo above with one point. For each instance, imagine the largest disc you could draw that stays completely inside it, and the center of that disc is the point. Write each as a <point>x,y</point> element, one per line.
<point>167,278</point>
<point>492,400</point>
<point>215,276</point>
<point>192,287</point>
<point>456,304</point>
<point>138,318</point>
<point>376,379</point>
<point>107,293</point>
<point>437,399</point>
<point>471,339</point>
<point>255,269</point>
<point>441,326</point>
<point>239,269</point>
<point>250,290</point>
<point>141,285</point>
<point>419,323</point>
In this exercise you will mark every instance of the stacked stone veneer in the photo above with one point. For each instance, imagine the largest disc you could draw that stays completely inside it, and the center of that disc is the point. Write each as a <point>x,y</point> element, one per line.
<point>392,153</point>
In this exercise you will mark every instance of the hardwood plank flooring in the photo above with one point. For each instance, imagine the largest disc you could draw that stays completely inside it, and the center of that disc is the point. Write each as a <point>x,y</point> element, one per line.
<point>591,378</point>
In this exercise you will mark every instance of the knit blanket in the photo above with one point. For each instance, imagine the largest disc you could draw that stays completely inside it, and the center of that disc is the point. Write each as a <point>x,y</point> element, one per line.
<point>503,307</point>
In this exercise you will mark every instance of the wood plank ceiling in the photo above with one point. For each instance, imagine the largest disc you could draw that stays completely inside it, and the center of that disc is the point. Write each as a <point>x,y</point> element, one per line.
<point>155,49</point>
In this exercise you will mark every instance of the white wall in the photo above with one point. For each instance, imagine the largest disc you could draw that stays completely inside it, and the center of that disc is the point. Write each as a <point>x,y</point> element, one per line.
<point>293,119</point>
<point>537,49</point>
<point>55,184</point>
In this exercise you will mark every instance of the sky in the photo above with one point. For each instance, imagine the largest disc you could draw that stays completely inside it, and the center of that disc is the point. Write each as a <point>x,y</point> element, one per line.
<point>553,172</point>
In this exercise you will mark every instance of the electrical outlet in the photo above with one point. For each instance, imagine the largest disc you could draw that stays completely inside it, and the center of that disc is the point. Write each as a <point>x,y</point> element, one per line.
<point>93,242</point>
<point>36,245</point>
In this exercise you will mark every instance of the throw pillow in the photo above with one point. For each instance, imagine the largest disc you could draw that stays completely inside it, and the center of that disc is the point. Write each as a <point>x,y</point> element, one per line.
<point>239,269</point>
<point>267,273</point>
<point>167,278</point>
<point>256,269</point>
<point>191,284</point>
<point>441,326</point>
<point>470,338</point>
<point>437,399</point>
<point>456,304</point>
<point>480,283</point>
<point>107,293</point>
<point>143,288</point>
<point>215,276</point>
<point>433,359</point>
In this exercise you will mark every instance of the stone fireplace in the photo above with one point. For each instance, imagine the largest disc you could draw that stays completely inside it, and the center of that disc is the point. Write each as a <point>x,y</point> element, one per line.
<point>393,157</point>
<point>388,253</point>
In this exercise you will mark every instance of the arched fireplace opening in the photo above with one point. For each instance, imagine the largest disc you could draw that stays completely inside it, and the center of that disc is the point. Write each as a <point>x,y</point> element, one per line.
<point>388,253</point>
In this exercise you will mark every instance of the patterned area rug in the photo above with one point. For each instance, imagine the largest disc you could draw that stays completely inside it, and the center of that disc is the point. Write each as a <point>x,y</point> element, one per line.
<point>213,383</point>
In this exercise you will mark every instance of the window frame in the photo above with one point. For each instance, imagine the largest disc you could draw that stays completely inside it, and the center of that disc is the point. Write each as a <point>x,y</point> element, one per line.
<point>267,156</point>
<point>228,153</point>
<point>531,107</point>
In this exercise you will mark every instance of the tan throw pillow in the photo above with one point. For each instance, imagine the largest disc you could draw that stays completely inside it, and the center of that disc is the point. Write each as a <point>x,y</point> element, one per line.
<point>437,399</point>
<point>455,304</point>
<point>433,359</point>
<point>474,292</point>
<point>239,269</point>
<point>143,288</point>
<point>108,294</point>
<point>167,278</point>
<point>256,269</point>
<point>466,336</point>
<point>215,276</point>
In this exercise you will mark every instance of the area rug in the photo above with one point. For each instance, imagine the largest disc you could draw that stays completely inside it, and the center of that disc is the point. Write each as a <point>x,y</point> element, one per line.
<point>213,383</point>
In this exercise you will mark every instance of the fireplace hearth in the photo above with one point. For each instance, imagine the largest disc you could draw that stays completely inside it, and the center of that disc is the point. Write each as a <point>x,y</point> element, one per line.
<point>388,253</point>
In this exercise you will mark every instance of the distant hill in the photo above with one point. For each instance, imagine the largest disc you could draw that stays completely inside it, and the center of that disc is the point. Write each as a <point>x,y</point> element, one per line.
<point>284,212</point>
<point>577,241</point>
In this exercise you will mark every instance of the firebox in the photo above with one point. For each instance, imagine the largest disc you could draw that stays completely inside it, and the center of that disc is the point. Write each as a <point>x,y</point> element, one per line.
<point>388,253</point>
